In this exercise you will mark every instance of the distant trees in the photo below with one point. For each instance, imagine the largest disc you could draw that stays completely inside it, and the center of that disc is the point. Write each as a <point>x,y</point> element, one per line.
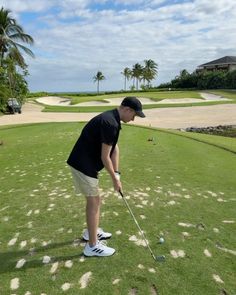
<point>13,68</point>
<point>97,78</point>
<point>139,73</point>
<point>149,71</point>
<point>204,80</point>
<point>127,73</point>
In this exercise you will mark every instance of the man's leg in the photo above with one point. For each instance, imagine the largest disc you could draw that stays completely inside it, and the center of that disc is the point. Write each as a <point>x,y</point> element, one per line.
<point>93,216</point>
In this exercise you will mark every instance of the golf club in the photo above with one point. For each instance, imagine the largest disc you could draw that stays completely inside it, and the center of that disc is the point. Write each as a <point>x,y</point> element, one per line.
<point>156,258</point>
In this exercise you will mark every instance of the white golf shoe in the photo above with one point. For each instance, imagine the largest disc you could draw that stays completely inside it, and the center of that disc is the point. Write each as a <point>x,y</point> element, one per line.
<point>100,234</point>
<point>98,250</point>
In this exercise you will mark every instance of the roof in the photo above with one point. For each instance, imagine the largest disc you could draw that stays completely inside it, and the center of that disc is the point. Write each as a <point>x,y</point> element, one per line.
<point>222,60</point>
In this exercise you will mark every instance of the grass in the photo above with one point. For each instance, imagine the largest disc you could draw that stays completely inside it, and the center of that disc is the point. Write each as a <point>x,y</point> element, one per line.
<point>172,180</point>
<point>155,96</point>
<point>231,94</point>
<point>91,109</point>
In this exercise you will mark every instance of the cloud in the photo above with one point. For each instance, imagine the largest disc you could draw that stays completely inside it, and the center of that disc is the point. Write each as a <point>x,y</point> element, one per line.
<point>18,6</point>
<point>74,39</point>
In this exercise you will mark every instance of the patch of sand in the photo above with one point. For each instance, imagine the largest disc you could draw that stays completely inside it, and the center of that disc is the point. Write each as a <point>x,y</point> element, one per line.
<point>15,283</point>
<point>217,279</point>
<point>60,101</point>
<point>85,279</point>
<point>181,117</point>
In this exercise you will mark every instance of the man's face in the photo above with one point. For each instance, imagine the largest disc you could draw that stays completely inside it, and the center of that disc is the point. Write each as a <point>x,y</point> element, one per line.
<point>129,115</point>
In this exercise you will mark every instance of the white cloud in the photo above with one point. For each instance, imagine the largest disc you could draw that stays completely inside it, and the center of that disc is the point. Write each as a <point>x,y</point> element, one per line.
<point>18,6</point>
<point>74,41</point>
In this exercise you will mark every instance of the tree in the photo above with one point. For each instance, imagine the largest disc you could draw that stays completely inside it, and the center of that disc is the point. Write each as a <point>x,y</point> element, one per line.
<point>11,33</point>
<point>97,78</point>
<point>13,68</point>
<point>149,71</point>
<point>231,79</point>
<point>4,90</point>
<point>127,73</point>
<point>137,72</point>
<point>184,73</point>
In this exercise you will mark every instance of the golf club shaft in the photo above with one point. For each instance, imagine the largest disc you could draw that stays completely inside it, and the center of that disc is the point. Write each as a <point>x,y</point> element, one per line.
<point>136,222</point>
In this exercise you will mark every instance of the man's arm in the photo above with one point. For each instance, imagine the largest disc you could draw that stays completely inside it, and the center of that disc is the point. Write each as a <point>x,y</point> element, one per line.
<point>111,164</point>
<point>115,158</point>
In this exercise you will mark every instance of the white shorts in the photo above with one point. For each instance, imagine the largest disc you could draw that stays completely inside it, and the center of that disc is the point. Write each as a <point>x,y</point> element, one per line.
<point>84,184</point>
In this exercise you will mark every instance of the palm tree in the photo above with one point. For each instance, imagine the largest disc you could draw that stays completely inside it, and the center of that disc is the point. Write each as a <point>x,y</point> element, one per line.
<point>97,78</point>
<point>127,73</point>
<point>11,33</point>
<point>149,71</point>
<point>137,73</point>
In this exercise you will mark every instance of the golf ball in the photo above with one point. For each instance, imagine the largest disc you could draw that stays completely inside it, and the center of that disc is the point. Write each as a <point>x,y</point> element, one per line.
<point>161,240</point>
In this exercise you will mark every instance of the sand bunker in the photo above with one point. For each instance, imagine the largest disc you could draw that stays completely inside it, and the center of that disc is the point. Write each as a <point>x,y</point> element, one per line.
<point>60,101</point>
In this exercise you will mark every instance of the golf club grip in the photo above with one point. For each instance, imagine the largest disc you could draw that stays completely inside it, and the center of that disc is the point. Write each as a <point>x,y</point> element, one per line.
<point>121,193</point>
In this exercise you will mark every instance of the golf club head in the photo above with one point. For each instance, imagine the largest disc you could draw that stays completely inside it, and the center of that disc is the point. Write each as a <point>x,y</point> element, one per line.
<point>161,258</point>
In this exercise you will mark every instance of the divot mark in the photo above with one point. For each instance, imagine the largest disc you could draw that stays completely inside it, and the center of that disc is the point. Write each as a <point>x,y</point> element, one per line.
<point>207,253</point>
<point>23,244</point>
<point>133,291</point>
<point>66,286</point>
<point>217,279</point>
<point>12,242</point>
<point>171,203</point>
<point>68,264</point>
<point>46,259</point>
<point>82,259</point>
<point>187,197</point>
<point>154,290</point>
<point>15,283</point>
<point>20,263</point>
<point>177,254</point>
<point>141,266</point>
<point>116,281</point>
<point>137,241</point>
<point>185,224</point>
<point>200,226</point>
<point>54,267</point>
<point>85,279</point>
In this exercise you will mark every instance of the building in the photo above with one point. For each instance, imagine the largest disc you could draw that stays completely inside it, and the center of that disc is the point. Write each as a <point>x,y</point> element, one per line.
<point>227,63</point>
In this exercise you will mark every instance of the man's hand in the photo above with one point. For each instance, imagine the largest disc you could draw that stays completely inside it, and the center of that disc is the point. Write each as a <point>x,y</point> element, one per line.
<point>117,185</point>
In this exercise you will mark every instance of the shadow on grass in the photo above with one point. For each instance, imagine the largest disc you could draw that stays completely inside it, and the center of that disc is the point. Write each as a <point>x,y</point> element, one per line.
<point>8,260</point>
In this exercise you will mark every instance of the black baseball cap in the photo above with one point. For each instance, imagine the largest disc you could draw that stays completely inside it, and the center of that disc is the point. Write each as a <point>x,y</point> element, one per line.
<point>135,104</point>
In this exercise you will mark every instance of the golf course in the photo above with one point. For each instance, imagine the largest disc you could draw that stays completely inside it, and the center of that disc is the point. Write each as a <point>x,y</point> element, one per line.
<point>180,186</point>
<point>117,147</point>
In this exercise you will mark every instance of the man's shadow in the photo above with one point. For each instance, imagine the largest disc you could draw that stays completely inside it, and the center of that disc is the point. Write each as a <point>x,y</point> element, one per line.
<point>9,259</point>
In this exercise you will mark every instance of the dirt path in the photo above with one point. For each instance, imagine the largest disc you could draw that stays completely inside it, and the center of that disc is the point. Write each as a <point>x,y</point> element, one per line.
<point>173,118</point>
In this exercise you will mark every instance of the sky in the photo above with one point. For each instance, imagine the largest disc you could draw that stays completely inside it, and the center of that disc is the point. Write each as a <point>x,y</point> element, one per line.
<point>74,39</point>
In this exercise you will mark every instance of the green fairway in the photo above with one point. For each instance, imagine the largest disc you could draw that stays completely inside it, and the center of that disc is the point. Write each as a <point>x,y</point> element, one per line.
<point>91,109</point>
<point>179,185</point>
<point>156,96</point>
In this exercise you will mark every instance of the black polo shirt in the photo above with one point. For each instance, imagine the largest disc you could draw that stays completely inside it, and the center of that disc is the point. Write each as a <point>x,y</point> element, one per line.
<point>86,154</point>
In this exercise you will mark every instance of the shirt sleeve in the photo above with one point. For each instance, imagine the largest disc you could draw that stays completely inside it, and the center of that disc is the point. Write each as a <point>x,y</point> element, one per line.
<point>108,133</point>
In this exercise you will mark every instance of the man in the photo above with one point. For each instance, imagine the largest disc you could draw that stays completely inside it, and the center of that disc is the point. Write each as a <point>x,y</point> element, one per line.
<point>95,149</point>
